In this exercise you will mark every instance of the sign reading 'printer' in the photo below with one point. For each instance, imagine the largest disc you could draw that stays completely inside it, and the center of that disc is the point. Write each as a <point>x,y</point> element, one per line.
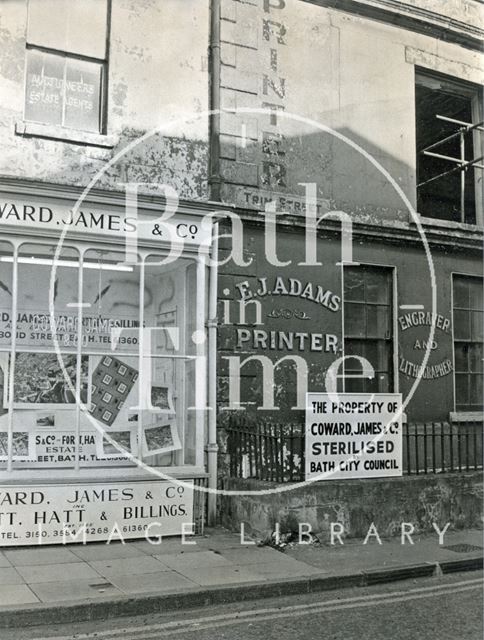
<point>60,514</point>
<point>353,435</point>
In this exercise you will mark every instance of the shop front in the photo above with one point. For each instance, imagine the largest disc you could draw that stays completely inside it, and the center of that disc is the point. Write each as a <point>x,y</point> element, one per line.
<point>103,358</point>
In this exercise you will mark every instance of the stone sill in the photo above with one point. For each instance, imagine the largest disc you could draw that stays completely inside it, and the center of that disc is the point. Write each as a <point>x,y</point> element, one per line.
<point>466,416</point>
<point>39,130</point>
<point>448,224</point>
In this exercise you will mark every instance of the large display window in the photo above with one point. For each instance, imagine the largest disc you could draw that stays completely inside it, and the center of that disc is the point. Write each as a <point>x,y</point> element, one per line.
<point>102,361</point>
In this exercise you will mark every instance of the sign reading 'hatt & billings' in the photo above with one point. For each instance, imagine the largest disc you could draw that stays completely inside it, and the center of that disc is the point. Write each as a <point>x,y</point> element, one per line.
<point>60,514</point>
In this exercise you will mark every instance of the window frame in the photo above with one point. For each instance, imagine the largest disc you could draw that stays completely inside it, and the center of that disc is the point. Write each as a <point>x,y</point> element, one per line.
<point>453,276</point>
<point>179,469</point>
<point>393,306</point>
<point>59,131</point>
<point>476,96</point>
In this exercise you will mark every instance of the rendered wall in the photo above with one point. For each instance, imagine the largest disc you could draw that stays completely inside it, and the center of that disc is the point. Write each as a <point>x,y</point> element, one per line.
<point>349,74</point>
<point>158,72</point>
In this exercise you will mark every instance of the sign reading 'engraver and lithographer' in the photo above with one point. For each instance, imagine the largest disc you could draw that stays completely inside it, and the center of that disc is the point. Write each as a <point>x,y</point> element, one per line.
<point>353,435</point>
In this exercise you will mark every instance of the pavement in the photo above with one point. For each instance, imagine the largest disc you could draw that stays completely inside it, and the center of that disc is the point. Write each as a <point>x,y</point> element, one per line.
<point>58,584</point>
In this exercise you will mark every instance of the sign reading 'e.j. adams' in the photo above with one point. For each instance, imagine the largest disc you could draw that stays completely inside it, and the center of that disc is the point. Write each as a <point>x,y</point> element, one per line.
<point>60,514</point>
<point>353,435</point>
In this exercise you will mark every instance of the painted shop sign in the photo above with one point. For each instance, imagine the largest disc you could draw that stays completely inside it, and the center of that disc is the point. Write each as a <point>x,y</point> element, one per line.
<point>353,436</point>
<point>61,514</point>
<point>290,289</point>
<point>420,320</point>
<point>121,221</point>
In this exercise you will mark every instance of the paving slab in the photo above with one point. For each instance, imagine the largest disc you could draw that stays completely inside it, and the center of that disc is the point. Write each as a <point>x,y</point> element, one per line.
<point>221,575</point>
<point>128,566</point>
<point>8,575</point>
<point>285,568</point>
<point>181,561</point>
<point>153,582</point>
<point>66,572</point>
<point>103,551</point>
<point>16,594</point>
<point>252,555</point>
<point>168,546</point>
<point>75,590</point>
<point>40,555</point>
<point>3,561</point>
<point>224,541</point>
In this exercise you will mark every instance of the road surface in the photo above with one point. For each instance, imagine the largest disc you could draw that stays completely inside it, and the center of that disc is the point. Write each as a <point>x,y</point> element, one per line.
<point>445,608</point>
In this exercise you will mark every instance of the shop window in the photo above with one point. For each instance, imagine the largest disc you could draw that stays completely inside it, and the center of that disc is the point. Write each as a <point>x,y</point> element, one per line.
<point>67,63</point>
<point>82,388</point>
<point>368,327</point>
<point>449,149</point>
<point>468,342</point>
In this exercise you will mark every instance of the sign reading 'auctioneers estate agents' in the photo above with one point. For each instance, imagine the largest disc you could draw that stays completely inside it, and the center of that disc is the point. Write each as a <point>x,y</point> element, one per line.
<point>353,435</point>
<point>60,514</point>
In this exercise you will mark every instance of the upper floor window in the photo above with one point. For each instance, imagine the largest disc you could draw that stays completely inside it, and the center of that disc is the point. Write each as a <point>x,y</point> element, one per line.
<point>66,63</point>
<point>450,165</point>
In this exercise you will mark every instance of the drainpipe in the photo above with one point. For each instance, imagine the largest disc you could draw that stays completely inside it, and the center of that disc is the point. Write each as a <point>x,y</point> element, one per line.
<point>212,446</point>
<point>214,186</point>
<point>214,179</point>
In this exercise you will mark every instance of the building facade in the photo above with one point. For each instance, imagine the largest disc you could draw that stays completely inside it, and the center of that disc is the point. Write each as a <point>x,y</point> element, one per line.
<point>337,146</point>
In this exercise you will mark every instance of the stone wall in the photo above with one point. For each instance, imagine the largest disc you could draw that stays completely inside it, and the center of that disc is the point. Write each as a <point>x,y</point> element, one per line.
<point>420,500</point>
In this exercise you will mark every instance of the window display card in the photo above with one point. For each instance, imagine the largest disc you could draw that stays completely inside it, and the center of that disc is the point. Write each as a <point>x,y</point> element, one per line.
<point>162,398</point>
<point>112,382</point>
<point>126,441</point>
<point>23,447</point>
<point>161,437</point>
<point>40,380</point>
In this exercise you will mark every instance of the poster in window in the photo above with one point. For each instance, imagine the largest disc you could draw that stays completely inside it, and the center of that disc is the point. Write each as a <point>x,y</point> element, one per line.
<point>125,442</point>
<point>161,437</point>
<point>162,398</point>
<point>22,445</point>
<point>112,382</point>
<point>45,419</point>
<point>41,380</point>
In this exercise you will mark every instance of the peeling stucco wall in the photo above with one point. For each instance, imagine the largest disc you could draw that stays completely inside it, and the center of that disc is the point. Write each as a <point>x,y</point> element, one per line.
<point>158,73</point>
<point>353,76</point>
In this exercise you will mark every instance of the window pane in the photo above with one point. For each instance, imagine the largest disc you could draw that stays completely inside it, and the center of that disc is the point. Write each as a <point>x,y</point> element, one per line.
<point>354,285</point>
<point>476,319</point>
<point>378,321</point>
<point>461,293</point>
<point>476,294</point>
<point>44,87</point>
<point>111,301</point>
<point>476,390</point>
<point>377,287</point>
<point>476,354</point>
<point>462,389</point>
<point>83,95</point>
<point>462,325</point>
<point>355,325</point>
<point>461,357</point>
<point>41,281</point>
<point>68,25</point>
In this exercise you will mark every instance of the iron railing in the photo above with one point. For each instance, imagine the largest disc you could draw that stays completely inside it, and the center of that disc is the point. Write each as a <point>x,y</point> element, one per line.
<point>275,451</point>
